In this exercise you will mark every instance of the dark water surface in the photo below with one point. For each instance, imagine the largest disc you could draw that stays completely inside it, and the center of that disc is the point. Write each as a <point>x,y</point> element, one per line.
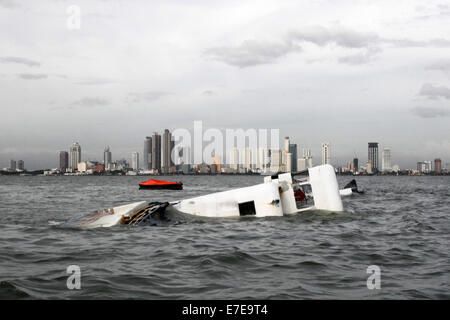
<point>401,225</point>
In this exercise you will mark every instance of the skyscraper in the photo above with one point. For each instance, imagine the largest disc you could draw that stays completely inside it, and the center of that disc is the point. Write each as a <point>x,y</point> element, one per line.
<point>107,158</point>
<point>326,154</point>
<point>373,156</point>
<point>386,160</point>
<point>156,151</point>
<point>168,145</point>
<point>147,165</point>
<point>135,161</point>
<point>293,152</point>
<point>12,165</point>
<point>288,162</point>
<point>437,165</point>
<point>20,165</point>
<point>275,160</point>
<point>355,165</point>
<point>75,156</point>
<point>234,158</point>
<point>63,160</point>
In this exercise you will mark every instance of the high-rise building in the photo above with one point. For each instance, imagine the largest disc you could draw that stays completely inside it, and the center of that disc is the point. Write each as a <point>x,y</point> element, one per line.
<point>293,152</point>
<point>276,160</point>
<point>424,166</point>
<point>386,160</point>
<point>301,164</point>
<point>234,159</point>
<point>287,142</point>
<point>135,161</point>
<point>437,165</point>
<point>20,165</point>
<point>156,151</point>
<point>373,156</point>
<point>12,165</point>
<point>216,161</point>
<point>326,154</point>
<point>288,162</point>
<point>355,165</point>
<point>63,160</point>
<point>167,151</point>
<point>75,156</point>
<point>147,165</point>
<point>107,158</point>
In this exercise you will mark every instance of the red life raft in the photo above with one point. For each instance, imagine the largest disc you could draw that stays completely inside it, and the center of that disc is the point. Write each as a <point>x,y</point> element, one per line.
<point>160,184</point>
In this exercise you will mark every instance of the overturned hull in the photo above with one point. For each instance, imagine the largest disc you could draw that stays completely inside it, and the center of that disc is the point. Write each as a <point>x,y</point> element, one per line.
<point>279,195</point>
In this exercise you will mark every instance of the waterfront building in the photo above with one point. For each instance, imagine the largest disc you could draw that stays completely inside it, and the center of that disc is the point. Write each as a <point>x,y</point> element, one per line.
<point>386,160</point>
<point>275,160</point>
<point>63,160</point>
<point>437,165</point>
<point>293,152</point>
<point>12,165</point>
<point>217,162</point>
<point>301,164</point>
<point>326,154</point>
<point>135,161</point>
<point>424,166</point>
<point>355,165</point>
<point>20,165</point>
<point>75,156</point>
<point>288,162</point>
<point>147,165</point>
<point>234,159</point>
<point>168,145</point>
<point>156,152</point>
<point>373,155</point>
<point>107,158</point>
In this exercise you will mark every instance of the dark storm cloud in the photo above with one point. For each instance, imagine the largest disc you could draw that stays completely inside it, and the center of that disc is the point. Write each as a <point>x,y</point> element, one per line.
<point>430,112</point>
<point>148,96</point>
<point>434,92</point>
<point>89,102</point>
<point>25,61</point>
<point>33,76</point>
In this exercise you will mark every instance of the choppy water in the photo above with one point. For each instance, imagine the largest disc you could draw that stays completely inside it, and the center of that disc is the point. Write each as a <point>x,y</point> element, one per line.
<point>401,225</point>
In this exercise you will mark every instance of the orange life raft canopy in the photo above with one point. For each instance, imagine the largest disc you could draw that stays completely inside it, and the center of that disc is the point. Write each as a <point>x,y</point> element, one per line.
<point>161,184</point>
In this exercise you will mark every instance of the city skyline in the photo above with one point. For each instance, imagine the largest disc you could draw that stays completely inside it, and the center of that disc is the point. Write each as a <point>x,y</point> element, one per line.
<point>318,71</point>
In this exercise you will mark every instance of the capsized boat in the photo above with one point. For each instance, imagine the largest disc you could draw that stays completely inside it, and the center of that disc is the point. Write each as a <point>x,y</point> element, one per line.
<point>279,195</point>
<point>161,184</point>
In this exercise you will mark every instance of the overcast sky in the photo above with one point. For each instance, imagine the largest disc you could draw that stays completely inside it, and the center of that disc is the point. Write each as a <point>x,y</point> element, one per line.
<point>347,72</point>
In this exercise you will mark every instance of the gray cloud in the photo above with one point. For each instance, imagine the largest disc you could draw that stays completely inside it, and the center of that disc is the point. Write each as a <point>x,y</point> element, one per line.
<point>342,37</point>
<point>443,65</point>
<point>430,112</point>
<point>434,92</point>
<point>25,61</point>
<point>89,102</point>
<point>148,96</point>
<point>252,53</point>
<point>99,81</point>
<point>361,57</point>
<point>9,4</point>
<point>208,93</point>
<point>32,76</point>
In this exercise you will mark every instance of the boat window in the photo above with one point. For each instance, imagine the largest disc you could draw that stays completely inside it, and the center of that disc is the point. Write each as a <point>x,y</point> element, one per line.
<point>247,208</point>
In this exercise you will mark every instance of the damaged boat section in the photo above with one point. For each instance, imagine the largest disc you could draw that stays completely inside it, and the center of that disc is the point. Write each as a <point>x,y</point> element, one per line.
<point>278,195</point>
